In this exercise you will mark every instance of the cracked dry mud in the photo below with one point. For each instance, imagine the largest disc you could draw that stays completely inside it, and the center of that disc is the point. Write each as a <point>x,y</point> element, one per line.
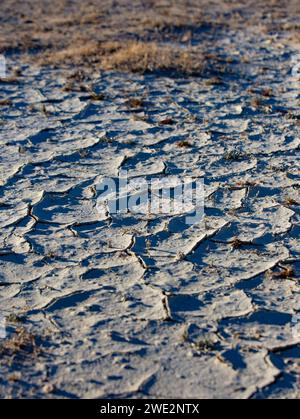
<point>143,305</point>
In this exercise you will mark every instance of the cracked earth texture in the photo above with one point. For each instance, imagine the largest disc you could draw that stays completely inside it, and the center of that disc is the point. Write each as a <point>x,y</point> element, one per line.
<point>141,305</point>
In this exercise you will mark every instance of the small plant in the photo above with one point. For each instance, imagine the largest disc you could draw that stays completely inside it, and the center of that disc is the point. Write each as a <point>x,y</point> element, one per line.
<point>256,102</point>
<point>5,102</point>
<point>13,318</point>
<point>22,343</point>
<point>236,243</point>
<point>233,155</point>
<point>84,153</point>
<point>8,80</point>
<point>290,201</point>
<point>180,256</point>
<point>245,184</point>
<point>267,92</point>
<point>135,103</point>
<point>185,335</point>
<point>204,345</point>
<point>48,388</point>
<point>285,273</point>
<point>16,376</point>
<point>73,86</point>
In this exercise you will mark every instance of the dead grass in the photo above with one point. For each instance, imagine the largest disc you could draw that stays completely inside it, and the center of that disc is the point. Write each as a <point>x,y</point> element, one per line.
<point>74,54</point>
<point>141,57</point>
<point>289,201</point>
<point>21,344</point>
<point>135,103</point>
<point>184,144</point>
<point>131,56</point>
<point>103,34</point>
<point>167,121</point>
<point>285,273</point>
<point>131,35</point>
<point>236,243</point>
<point>5,102</point>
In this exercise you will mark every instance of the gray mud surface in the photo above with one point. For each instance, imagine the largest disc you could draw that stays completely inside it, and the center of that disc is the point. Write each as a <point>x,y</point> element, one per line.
<point>104,305</point>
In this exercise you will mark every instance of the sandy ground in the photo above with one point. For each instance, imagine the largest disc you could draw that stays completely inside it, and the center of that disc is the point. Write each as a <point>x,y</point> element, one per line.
<point>137,306</point>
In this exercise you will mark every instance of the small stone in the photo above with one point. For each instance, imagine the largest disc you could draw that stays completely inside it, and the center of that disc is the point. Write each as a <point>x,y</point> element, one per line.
<point>48,388</point>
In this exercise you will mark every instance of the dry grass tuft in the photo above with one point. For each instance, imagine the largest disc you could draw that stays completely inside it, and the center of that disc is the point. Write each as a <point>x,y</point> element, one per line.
<point>131,56</point>
<point>135,103</point>
<point>132,35</point>
<point>289,201</point>
<point>142,57</point>
<point>73,54</point>
<point>22,343</point>
<point>5,102</point>
<point>167,121</point>
<point>286,273</point>
<point>184,144</point>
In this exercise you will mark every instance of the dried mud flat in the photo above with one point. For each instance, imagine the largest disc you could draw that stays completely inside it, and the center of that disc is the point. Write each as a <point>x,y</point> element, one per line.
<point>144,306</point>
